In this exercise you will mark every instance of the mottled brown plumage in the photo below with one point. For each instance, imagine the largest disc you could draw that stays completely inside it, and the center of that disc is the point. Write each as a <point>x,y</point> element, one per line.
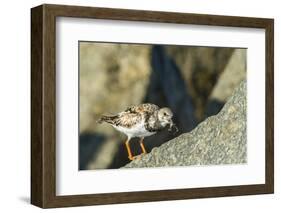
<point>131,116</point>
<point>143,108</point>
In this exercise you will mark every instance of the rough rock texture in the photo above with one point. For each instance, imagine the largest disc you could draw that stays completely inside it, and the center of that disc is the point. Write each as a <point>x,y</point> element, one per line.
<point>220,139</point>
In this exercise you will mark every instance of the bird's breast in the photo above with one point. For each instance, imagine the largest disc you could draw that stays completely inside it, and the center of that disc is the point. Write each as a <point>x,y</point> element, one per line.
<point>138,130</point>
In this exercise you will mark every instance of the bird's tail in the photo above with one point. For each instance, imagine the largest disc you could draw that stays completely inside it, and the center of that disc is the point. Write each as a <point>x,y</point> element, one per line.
<point>107,119</point>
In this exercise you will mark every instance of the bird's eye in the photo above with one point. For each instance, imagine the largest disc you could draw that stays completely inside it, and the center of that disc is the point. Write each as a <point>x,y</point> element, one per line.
<point>165,113</point>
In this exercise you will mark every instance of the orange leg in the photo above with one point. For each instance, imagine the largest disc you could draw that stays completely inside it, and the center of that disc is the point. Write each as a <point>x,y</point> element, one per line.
<point>142,146</point>
<point>130,156</point>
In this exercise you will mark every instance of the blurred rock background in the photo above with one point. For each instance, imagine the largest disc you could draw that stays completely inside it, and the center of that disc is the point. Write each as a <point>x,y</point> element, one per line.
<point>194,82</point>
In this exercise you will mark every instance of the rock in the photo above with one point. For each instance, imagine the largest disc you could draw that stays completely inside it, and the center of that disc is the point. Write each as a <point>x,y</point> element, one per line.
<point>112,77</point>
<point>220,139</point>
<point>201,68</point>
<point>234,72</point>
<point>115,76</point>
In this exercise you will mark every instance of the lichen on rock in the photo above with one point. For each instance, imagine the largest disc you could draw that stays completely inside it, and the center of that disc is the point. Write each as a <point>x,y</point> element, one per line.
<point>220,139</point>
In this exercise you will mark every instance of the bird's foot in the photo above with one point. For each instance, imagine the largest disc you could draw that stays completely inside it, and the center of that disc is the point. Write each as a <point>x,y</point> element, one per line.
<point>131,157</point>
<point>135,157</point>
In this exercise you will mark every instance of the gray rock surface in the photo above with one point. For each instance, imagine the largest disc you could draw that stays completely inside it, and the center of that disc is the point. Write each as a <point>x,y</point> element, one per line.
<point>220,139</point>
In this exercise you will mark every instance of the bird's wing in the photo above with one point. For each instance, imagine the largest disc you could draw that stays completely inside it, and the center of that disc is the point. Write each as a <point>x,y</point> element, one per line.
<point>127,119</point>
<point>143,108</point>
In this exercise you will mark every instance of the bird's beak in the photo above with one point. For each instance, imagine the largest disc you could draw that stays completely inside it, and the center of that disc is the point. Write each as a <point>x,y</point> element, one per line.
<point>173,127</point>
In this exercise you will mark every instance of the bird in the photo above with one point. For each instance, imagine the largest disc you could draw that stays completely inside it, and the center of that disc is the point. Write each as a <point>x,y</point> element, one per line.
<point>140,121</point>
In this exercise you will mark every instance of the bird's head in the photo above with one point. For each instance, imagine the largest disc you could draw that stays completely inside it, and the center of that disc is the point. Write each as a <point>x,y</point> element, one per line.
<point>165,116</point>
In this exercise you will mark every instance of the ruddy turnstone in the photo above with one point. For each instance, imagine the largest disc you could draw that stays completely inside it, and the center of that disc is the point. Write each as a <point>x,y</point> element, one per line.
<point>140,121</point>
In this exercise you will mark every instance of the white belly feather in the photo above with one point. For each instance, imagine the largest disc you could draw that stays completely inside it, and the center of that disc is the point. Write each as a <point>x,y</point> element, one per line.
<point>137,130</point>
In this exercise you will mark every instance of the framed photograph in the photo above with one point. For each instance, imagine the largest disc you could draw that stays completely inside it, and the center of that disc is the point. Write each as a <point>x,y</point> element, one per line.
<point>135,106</point>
